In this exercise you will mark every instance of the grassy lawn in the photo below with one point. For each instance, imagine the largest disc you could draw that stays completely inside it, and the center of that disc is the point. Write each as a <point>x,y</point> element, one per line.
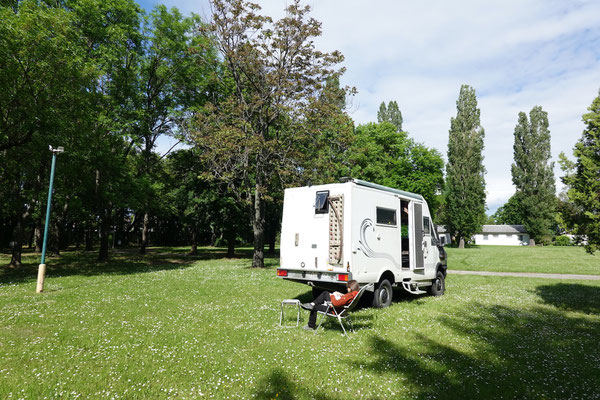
<point>174,326</point>
<point>548,259</point>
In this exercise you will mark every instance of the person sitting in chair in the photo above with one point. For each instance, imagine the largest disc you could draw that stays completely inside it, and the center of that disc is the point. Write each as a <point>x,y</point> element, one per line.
<point>337,299</point>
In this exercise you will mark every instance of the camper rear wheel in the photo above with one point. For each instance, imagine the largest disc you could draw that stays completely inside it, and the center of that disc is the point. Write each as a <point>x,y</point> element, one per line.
<point>383,295</point>
<point>438,286</point>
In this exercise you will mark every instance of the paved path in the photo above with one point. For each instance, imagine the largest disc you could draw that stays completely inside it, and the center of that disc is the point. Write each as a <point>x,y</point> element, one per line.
<point>527,275</point>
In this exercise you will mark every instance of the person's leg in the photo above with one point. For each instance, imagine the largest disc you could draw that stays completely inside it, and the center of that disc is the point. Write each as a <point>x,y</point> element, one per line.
<point>312,320</point>
<point>322,298</point>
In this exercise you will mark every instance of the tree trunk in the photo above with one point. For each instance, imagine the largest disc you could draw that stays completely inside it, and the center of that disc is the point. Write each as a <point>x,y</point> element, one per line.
<point>15,259</point>
<point>77,235</point>
<point>89,242</point>
<point>272,238</point>
<point>231,247</point>
<point>104,232</point>
<point>461,242</point>
<point>194,249</point>
<point>63,231</point>
<point>532,242</point>
<point>38,236</point>
<point>30,238</point>
<point>121,228</point>
<point>258,226</point>
<point>54,234</point>
<point>144,242</point>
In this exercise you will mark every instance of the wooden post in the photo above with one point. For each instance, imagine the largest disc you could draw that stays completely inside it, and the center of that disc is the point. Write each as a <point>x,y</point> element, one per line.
<point>40,278</point>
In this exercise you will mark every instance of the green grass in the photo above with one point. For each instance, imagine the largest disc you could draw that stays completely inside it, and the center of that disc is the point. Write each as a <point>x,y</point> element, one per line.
<point>173,326</point>
<point>548,259</point>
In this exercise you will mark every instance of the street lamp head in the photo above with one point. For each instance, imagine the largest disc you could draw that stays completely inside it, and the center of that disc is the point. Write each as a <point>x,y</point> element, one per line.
<point>57,150</point>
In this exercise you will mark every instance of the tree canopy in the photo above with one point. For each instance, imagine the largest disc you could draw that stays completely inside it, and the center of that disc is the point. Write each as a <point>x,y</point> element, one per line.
<point>390,114</point>
<point>382,155</point>
<point>255,134</point>
<point>583,181</point>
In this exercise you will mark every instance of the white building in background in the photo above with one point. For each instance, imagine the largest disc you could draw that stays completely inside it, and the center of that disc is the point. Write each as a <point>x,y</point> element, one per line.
<point>502,235</point>
<point>498,235</point>
<point>443,234</point>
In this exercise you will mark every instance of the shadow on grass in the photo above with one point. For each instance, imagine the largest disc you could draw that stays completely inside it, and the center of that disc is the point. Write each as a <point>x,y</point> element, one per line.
<point>571,297</point>
<point>509,353</point>
<point>121,261</point>
<point>279,385</point>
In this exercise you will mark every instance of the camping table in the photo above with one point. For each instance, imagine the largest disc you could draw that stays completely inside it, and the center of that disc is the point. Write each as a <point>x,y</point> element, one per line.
<point>290,302</point>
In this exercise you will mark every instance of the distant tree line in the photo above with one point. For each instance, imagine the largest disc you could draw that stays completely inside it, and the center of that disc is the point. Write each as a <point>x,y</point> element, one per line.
<point>258,107</point>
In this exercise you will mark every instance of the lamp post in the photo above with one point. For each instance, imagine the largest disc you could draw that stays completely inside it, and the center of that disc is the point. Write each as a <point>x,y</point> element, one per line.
<point>42,268</point>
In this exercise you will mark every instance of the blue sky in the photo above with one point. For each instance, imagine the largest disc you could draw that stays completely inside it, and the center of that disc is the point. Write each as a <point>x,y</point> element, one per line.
<point>516,54</point>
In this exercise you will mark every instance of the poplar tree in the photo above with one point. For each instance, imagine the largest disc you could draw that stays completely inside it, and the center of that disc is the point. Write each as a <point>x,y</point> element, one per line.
<point>532,174</point>
<point>465,184</point>
<point>583,181</point>
<point>391,114</point>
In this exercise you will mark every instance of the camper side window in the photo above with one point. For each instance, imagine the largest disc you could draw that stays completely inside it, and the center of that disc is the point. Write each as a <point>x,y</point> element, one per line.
<point>426,226</point>
<point>385,216</point>
<point>321,203</point>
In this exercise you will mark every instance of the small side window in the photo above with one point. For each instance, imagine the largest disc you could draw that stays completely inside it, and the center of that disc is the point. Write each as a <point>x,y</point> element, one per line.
<point>485,237</point>
<point>321,203</point>
<point>426,226</point>
<point>385,216</point>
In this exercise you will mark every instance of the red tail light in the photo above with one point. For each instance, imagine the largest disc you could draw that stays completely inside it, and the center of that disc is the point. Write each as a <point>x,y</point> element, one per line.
<point>343,277</point>
<point>281,272</point>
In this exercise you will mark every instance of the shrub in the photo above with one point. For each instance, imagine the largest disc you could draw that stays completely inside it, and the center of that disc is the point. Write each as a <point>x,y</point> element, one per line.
<point>562,241</point>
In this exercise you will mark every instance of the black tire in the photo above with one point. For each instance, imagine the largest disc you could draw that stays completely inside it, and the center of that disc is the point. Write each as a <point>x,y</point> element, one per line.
<point>383,295</point>
<point>438,285</point>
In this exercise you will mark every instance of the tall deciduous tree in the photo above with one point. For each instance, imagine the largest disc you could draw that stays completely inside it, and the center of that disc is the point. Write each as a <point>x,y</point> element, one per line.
<point>381,155</point>
<point>43,77</point>
<point>255,133</point>
<point>583,181</point>
<point>175,63</point>
<point>532,174</point>
<point>390,114</point>
<point>510,213</point>
<point>465,184</point>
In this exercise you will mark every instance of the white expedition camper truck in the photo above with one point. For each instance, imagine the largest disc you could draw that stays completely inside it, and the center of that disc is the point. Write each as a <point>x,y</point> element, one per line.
<point>358,230</point>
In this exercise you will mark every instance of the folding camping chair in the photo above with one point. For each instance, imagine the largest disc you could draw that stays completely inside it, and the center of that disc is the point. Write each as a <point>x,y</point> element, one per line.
<point>344,313</point>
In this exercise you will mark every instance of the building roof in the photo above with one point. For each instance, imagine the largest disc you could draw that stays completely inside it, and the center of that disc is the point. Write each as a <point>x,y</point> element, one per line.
<point>503,229</point>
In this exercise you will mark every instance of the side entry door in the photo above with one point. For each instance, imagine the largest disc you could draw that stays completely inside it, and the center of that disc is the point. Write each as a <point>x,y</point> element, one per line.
<point>418,235</point>
<point>430,251</point>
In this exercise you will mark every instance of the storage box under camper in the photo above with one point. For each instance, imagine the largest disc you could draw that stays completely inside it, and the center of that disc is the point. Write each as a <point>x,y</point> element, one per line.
<point>358,230</point>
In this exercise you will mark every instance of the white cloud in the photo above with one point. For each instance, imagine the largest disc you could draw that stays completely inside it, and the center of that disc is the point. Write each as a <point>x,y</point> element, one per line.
<point>515,53</point>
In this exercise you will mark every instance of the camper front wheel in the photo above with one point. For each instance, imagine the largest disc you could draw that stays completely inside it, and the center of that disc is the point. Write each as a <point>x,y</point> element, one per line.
<point>383,295</point>
<point>438,286</point>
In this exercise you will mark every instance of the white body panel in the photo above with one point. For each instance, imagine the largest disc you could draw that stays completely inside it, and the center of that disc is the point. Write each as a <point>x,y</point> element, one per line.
<point>369,249</point>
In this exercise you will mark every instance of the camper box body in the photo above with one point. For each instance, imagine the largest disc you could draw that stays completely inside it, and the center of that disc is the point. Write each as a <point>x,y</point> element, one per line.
<point>358,230</point>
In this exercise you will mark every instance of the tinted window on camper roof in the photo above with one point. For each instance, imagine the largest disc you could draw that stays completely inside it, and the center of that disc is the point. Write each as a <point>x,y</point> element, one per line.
<point>321,203</point>
<point>385,216</point>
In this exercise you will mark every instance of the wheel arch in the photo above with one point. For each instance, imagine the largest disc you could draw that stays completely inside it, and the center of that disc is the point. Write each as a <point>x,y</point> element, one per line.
<point>441,267</point>
<point>389,275</point>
